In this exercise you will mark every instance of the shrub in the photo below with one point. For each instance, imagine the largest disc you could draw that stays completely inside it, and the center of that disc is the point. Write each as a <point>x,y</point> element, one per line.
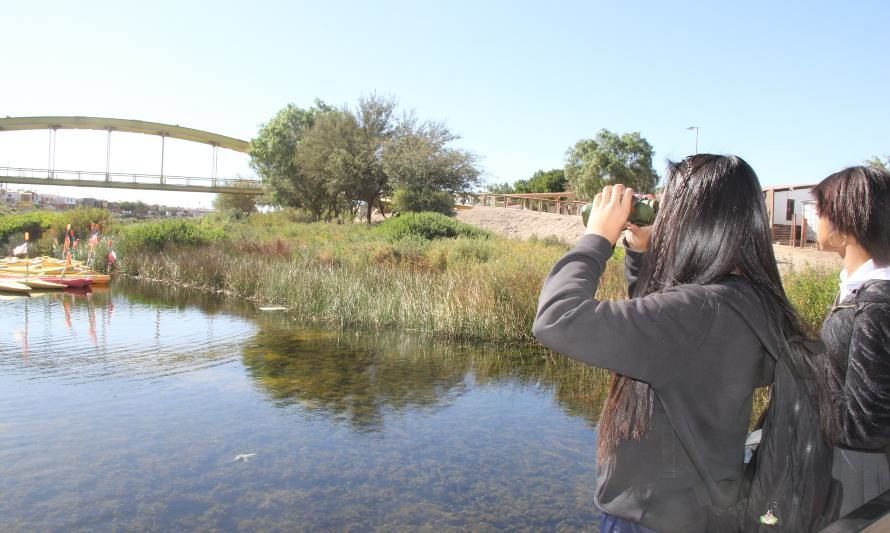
<point>427,226</point>
<point>34,222</point>
<point>812,292</point>
<point>468,251</point>
<point>155,236</point>
<point>420,200</point>
<point>81,221</point>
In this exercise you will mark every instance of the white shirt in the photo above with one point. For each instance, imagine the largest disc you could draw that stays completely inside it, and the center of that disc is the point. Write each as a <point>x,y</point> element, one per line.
<point>850,283</point>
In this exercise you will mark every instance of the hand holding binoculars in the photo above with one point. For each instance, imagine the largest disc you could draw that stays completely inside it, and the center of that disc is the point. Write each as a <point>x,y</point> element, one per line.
<point>642,213</point>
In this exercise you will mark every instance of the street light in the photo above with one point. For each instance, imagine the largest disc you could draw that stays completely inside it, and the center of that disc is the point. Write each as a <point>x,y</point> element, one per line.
<point>696,136</point>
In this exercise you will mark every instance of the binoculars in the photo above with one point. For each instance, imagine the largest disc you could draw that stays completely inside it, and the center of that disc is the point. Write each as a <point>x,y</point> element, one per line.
<point>642,212</point>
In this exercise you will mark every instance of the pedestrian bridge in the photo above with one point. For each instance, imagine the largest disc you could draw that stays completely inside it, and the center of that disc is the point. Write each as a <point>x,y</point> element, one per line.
<point>161,181</point>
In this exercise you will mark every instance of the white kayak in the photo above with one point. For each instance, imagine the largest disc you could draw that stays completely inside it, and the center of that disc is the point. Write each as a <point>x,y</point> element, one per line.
<point>13,286</point>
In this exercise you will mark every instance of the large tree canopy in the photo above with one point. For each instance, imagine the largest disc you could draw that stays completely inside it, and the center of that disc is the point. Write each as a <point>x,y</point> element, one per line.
<point>419,158</point>
<point>331,161</point>
<point>610,158</point>
<point>272,154</point>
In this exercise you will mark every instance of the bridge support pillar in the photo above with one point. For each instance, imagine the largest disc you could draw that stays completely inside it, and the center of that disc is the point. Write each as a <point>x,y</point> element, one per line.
<point>163,137</point>
<point>214,163</point>
<point>108,156</point>
<point>51,157</point>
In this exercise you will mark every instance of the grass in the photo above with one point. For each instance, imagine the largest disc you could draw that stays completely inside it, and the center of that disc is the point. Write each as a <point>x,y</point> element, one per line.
<point>466,288</point>
<point>425,273</point>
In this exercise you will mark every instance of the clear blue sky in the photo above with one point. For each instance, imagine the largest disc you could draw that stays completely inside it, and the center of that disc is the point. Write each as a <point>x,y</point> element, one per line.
<point>799,89</point>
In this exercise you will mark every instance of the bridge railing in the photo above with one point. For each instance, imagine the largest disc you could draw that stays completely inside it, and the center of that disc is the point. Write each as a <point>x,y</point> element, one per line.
<point>128,177</point>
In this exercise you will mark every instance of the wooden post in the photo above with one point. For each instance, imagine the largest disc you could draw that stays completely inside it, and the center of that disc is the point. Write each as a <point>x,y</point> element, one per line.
<point>803,232</point>
<point>558,207</point>
<point>793,228</point>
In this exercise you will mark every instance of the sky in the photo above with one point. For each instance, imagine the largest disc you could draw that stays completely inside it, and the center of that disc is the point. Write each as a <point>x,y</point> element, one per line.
<point>797,89</point>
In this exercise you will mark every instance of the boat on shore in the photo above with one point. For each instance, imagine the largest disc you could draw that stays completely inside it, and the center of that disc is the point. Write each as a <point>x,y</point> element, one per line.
<point>50,273</point>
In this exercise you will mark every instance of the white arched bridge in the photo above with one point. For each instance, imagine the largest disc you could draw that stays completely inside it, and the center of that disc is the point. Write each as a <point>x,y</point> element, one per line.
<point>162,182</point>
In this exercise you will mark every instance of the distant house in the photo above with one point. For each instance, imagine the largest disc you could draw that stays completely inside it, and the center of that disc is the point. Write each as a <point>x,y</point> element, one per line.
<point>791,206</point>
<point>90,202</point>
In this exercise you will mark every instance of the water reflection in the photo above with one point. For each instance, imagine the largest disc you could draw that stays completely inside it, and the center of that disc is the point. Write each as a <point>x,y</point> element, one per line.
<point>79,335</point>
<point>356,376</point>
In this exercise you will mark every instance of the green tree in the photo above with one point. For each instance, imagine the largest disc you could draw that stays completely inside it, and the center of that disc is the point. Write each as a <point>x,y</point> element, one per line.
<point>501,188</point>
<point>379,127</point>
<point>419,158</point>
<point>543,181</point>
<point>344,150</point>
<point>243,203</point>
<point>329,155</point>
<point>610,158</point>
<point>877,162</point>
<point>272,155</point>
<point>549,181</point>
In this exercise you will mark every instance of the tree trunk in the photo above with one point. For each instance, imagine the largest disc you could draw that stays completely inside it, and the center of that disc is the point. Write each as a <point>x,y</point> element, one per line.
<point>370,208</point>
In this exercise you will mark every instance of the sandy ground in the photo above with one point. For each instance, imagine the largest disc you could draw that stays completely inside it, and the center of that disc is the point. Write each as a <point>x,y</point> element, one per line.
<point>520,224</point>
<point>516,223</point>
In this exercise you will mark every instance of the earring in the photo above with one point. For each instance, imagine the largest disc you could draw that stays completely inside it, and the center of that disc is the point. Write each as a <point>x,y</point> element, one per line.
<point>841,245</point>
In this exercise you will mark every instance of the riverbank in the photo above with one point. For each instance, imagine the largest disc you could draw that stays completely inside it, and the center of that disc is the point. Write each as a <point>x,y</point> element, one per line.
<point>474,286</point>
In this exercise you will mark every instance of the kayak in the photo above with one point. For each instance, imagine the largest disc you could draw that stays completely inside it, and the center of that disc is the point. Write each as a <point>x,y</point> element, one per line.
<point>38,283</point>
<point>94,277</point>
<point>13,286</point>
<point>72,283</point>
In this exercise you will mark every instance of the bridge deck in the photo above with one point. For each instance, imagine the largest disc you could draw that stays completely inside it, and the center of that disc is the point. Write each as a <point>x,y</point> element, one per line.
<point>118,180</point>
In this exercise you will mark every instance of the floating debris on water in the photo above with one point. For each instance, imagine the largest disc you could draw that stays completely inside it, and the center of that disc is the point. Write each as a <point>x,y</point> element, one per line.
<point>243,457</point>
<point>273,308</point>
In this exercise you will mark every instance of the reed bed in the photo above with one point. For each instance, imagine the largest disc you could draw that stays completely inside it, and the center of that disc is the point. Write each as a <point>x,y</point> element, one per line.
<point>479,287</point>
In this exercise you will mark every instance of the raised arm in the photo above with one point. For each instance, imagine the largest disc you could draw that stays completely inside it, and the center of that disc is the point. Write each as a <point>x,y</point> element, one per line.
<point>646,339</point>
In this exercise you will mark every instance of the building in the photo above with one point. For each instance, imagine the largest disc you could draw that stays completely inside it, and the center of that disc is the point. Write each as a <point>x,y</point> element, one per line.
<point>791,208</point>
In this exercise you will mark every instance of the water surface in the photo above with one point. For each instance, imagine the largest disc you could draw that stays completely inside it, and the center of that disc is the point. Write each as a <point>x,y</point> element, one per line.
<point>125,410</point>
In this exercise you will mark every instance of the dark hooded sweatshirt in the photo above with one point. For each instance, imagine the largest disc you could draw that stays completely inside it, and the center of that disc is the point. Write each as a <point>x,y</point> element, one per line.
<point>694,346</point>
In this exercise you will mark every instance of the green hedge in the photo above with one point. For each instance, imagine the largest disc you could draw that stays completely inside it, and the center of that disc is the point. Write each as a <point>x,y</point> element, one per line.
<point>427,226</point>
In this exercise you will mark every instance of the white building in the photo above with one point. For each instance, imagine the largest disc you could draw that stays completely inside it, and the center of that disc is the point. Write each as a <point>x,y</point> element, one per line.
<point>791,205</point>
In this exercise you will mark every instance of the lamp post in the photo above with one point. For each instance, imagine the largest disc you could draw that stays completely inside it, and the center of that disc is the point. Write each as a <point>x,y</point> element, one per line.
<point>696,136</point>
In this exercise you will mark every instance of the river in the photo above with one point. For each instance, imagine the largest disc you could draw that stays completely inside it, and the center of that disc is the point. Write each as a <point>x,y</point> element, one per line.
<point>145,408</point>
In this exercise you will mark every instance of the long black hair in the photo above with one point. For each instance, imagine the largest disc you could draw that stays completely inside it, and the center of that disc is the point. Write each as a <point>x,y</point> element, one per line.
<point>713,224</point>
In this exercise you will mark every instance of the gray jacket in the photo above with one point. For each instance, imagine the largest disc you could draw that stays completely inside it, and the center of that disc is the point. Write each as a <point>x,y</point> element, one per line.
<point>703,360</point>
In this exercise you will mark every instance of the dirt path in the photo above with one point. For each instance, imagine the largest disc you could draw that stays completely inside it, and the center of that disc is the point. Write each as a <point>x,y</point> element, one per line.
<point>516,223</point>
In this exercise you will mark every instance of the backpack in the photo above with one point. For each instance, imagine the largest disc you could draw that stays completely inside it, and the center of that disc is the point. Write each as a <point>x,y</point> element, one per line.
<point>787,485</point>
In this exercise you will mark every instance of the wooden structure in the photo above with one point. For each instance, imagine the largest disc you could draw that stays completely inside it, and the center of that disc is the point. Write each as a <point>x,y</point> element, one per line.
<point>791,214</point>
<point>562,203</point>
